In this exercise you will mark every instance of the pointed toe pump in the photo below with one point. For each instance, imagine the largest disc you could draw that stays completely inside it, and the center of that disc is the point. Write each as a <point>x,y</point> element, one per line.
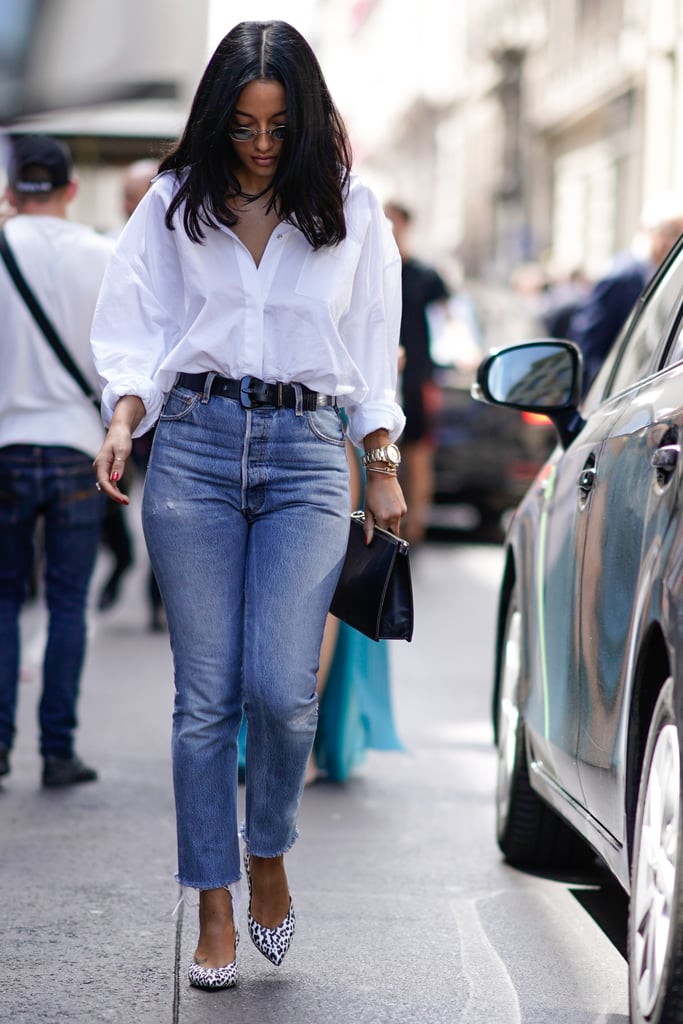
<point>212,978</point>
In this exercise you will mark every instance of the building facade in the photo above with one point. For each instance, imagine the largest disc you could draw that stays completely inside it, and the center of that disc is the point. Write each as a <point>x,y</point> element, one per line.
<point>114,80</point>
<point>516,130</point>
<point>520,130</point>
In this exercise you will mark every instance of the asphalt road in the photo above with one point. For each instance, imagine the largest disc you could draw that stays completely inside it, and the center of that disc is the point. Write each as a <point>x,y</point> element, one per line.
<point>405,910</point>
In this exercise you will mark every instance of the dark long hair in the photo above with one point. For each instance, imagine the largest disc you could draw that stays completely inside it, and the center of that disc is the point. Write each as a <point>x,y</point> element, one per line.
<point>313,170</point>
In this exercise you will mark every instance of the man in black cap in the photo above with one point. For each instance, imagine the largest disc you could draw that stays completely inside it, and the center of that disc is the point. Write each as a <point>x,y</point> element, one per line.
<point>39,164</point>
<point>49,434</point>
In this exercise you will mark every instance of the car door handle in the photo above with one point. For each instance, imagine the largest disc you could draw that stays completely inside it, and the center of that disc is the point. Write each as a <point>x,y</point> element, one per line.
<point>665,459</point>
<point>586,480</point>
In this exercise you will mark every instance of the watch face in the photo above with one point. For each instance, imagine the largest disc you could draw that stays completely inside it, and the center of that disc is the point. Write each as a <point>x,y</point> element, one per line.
<point>389,453</point>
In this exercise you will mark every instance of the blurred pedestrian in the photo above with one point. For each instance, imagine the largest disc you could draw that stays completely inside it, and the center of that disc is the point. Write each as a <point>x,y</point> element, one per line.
<point>422,287</point>
<point>560,300</point>
<point>255,289</point>
<point>117,539</point>
<point>596,325</point>
<point>49,434</point>
<point>116,535</point>
<point>136,181</point>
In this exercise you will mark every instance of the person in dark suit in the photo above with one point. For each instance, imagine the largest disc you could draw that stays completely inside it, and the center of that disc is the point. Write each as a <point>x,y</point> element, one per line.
<point>421,288</point>
<point>596,324</point>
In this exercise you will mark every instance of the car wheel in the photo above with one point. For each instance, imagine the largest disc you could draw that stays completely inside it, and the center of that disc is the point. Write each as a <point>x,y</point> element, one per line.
<point>655,932</point>
<point>529,832</point>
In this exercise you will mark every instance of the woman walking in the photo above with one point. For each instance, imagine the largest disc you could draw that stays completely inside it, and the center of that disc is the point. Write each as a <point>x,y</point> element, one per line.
<point>254,292</point>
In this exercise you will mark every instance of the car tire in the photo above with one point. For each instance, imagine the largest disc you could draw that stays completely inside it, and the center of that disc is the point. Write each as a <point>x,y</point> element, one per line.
<point>655,928</point>
<point>529,832</point>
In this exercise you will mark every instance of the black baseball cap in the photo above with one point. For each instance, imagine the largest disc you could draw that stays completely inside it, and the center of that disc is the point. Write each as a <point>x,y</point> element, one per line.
<point>39,164</point>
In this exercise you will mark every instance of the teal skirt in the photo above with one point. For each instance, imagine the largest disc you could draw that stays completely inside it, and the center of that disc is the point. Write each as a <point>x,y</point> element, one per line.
<point>355,709</point>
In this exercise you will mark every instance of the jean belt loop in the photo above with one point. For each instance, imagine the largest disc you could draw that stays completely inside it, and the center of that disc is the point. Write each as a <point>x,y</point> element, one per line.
<point>299,399</point>
<point>210,378</point>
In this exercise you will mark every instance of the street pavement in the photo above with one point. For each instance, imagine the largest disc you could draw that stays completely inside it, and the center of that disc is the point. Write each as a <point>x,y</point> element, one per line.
<point>405,911</point>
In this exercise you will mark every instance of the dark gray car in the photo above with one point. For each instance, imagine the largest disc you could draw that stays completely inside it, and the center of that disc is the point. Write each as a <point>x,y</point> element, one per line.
<point>588,694</point>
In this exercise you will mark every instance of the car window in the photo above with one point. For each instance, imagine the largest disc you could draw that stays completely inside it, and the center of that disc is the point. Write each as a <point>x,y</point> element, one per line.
<point>635,360</point>
<point>598,391</point>
<point>675,353</point>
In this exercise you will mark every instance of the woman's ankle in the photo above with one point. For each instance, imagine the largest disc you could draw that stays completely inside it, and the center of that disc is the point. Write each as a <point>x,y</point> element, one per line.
<point>217,936</point>
<point>270,891</point>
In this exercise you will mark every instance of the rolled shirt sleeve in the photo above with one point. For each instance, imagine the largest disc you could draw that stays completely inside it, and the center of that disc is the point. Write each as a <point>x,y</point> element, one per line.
<point>371,328</point>
<point>137,318</point>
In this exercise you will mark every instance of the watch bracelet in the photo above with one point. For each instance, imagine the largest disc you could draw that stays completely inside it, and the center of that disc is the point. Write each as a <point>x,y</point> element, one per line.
<point>375,455</point>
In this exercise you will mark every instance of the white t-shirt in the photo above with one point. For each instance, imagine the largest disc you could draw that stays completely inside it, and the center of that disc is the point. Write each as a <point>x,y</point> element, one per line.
<point>328,319</point>
<point>40,403</point>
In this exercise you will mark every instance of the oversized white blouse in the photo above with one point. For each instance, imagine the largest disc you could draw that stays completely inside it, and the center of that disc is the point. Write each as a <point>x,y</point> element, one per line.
<point>328,319</point>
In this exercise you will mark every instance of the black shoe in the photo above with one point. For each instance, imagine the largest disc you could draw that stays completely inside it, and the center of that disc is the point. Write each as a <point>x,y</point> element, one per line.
<point>65,771</point>
<point>4,761</point>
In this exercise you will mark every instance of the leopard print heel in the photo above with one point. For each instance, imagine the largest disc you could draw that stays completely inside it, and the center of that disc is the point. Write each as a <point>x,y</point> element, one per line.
<point>213,977</point>
<point>273,943</point>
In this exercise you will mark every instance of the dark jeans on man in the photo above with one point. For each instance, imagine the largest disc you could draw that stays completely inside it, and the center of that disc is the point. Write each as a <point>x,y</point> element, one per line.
<point>56,484</point>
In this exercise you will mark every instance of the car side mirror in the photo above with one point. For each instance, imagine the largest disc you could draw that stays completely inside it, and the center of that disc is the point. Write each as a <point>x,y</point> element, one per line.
<point>542,376</point>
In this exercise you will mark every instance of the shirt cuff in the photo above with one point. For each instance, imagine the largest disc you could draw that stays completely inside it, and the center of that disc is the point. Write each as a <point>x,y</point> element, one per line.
<point>369,416</point>
<point>151,396</point>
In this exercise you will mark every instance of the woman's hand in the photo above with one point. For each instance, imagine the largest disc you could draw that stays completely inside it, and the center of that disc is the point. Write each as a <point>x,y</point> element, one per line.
<point>384,501</point>
<point>384,504</point>
<point>110,461</point>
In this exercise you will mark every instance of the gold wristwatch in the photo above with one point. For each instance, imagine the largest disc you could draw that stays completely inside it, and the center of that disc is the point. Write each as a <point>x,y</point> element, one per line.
<point>388,453</point>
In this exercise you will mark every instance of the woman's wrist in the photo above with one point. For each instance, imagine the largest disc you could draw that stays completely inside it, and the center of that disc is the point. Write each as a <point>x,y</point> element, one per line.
<point>128,412</point>
<point>376,439</point>
<point>381,479</point>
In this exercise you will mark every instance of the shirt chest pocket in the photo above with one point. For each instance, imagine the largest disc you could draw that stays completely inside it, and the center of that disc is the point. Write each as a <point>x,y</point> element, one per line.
<point>328,275</point>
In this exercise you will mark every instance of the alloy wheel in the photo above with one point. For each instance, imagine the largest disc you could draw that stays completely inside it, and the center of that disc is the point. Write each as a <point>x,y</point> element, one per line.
<point>654,890</point>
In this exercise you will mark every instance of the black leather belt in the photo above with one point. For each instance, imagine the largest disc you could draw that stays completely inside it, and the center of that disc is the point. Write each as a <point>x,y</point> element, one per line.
<point>252,392</point>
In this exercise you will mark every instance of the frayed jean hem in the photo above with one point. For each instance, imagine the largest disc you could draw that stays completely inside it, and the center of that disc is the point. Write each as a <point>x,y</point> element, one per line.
<point>278,853</point>
<point>201,887</point>
<point>234,888</point>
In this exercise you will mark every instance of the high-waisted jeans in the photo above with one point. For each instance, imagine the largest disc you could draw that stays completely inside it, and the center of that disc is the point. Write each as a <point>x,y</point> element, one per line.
<point>246,518</point>
<point>57,485</point>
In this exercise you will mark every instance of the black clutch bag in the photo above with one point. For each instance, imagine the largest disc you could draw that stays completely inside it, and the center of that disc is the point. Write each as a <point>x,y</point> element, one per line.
<point>375,593</point>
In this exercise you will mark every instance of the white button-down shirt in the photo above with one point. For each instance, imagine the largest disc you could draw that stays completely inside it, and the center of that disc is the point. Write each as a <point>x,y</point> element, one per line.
<point>328,319</point>
<point>40,402</point>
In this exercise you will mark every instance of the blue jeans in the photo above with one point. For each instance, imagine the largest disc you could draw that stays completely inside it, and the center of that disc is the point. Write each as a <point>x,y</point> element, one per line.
<point>246,518</point>
<point>56,484</point>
